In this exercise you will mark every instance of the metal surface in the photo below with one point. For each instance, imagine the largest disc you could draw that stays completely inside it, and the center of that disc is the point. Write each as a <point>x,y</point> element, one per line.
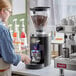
<point>47,71</point>
<point>65,63</point>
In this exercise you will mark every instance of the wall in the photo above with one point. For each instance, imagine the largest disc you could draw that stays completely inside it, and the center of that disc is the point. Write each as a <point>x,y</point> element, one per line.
<point>19,16</point>
<point>18,13</point>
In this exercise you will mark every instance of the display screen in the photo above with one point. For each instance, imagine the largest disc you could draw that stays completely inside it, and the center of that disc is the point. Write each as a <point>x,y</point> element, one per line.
<point>36,52</point>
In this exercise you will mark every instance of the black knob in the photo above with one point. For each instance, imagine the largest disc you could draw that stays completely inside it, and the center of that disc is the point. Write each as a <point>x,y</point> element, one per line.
<point>73,34</point>
<point>60,28</point>
<point>65,36</point>
<point>32,35</point>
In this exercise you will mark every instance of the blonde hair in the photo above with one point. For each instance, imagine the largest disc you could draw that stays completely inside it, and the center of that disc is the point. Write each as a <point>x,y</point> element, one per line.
<point>5,4</point>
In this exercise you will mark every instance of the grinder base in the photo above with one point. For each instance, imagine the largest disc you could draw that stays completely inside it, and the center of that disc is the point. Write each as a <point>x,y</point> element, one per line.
<point>34,66</point>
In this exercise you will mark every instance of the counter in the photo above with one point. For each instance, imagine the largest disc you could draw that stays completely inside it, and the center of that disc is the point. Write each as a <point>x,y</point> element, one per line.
<point>46,71</point>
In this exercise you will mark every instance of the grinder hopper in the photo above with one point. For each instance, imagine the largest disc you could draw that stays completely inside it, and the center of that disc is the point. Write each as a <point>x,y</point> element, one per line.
<point>39,17</point>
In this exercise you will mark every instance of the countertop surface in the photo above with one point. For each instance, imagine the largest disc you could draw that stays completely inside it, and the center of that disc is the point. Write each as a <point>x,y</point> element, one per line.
<point>46,71</point>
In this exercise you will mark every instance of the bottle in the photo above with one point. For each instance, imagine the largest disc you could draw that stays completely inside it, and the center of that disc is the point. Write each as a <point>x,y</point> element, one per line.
<point>16,39</point>
<point>23,37</point>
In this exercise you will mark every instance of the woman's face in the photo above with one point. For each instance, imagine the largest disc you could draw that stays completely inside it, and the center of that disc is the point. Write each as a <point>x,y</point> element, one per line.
<point>5,12</point>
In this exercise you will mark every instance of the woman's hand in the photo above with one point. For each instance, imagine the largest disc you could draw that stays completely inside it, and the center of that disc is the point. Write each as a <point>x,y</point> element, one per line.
<point>25,58</point>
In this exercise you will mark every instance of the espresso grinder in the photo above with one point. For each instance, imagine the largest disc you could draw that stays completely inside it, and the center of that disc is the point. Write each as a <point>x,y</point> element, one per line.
<point>39,42</point>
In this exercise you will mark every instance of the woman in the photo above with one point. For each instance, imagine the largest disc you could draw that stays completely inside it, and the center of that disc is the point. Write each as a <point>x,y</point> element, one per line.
<point>7,54</point>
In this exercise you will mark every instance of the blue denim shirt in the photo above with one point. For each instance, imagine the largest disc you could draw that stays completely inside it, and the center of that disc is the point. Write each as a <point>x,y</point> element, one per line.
<point>7,52</point>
